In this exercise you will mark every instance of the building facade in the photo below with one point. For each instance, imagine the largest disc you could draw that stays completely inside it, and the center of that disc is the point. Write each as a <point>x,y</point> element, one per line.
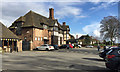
<point>36,29</point>
<point>8,40</point>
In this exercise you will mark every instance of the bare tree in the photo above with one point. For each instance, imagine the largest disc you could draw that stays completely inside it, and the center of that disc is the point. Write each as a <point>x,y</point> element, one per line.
<point>109,28</point>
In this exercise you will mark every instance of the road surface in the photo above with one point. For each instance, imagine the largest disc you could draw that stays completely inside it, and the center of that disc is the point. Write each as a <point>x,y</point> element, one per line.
<point>81,59</point>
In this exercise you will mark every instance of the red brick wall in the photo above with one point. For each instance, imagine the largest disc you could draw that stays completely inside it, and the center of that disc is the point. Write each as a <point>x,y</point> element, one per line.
<point>38,33</point>
<point>32,33</point>
<point>26,32</point>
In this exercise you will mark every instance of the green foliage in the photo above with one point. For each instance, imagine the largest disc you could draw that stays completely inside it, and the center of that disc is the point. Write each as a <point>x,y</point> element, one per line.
<point>102,45</point>
<point>95,44</point>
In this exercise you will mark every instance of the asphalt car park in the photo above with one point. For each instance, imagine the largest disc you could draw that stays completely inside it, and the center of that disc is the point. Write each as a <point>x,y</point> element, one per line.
<point>62,59</point>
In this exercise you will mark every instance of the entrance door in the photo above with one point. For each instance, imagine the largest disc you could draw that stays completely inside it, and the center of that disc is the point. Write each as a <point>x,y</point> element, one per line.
<point>15,45</point>
<point>25,45</point>
<point>45,41</point>
<point>54,40</point>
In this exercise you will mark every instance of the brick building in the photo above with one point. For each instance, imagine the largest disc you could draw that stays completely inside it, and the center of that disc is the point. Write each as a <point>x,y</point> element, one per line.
<point>35,30</point>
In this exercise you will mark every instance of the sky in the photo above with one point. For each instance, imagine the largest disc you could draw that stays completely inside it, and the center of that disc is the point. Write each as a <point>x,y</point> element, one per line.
<point>83,17</point>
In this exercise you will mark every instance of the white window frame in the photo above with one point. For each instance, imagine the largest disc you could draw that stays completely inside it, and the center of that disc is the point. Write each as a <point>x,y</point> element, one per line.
<point>35,38</point>
<point>38,38</point>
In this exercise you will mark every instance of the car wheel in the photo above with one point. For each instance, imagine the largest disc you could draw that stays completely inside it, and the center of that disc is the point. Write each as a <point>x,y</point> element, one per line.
<point>47,49</point>
<point>119,67</point>
<point>36,48</point>
<point>67,47</point>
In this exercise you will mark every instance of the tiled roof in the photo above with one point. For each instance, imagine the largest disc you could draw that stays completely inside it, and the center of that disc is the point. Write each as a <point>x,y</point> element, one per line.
<point>32,19</point>
<point>6,33</point>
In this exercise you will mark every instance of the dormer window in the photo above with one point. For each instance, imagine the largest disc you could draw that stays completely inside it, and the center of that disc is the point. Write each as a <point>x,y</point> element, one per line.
<point>28,32</point>
<point>45,26</point>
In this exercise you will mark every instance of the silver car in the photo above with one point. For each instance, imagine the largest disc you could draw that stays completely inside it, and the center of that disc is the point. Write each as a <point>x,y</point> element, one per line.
<point>45,47</point>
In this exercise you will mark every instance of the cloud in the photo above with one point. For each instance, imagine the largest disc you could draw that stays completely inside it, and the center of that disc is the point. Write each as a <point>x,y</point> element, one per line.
<point>12,10</point>
<point>92,29</point>
<point>97,1</point>
<point>103,5</point>
<point>67,10</point>
<point>96,33</point>
<point>81,16</point>
<point>60,0</point>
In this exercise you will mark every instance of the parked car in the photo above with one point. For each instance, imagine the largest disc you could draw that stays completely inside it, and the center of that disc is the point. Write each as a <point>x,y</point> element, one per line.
<point>56,47</point>
<point>45,47</point>
<point>89,46</point>
<point>70,46</point>
<point>63,46</point>
<point>113,59</point>
<point>79,46</point>
<point>67,46</point>
<point>103,53</point>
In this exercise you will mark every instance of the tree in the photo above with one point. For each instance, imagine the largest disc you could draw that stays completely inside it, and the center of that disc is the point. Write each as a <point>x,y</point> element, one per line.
<point>109,28</point>
<point>104,42</point>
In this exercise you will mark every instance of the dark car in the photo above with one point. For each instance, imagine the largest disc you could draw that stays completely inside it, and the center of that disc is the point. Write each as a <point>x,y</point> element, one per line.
<point>67,46</point>
<point>103,53</point>
<point>63,46</point>
<point>113,59</point>
<point>56,47</point>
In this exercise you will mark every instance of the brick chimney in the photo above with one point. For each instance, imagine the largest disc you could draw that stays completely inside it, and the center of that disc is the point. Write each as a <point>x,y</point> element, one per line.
<point>51,13</point>
<point>76,36</point>
<point>64,23</point>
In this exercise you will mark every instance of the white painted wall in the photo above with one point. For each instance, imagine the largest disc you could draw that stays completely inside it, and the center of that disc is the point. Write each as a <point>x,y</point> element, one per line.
<point>58,40</point>
<point>59,35</point>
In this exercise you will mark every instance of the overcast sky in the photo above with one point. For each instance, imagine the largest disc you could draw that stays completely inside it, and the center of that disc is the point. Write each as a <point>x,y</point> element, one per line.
<point>82,17</point>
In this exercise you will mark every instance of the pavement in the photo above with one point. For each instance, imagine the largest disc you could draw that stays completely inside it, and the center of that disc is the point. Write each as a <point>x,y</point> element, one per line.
<point>81,59</point>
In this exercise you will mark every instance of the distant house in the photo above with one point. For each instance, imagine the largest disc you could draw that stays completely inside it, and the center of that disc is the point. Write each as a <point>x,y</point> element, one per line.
<point>9,39</point>
<point>81,39</point>
<point>35,30</point>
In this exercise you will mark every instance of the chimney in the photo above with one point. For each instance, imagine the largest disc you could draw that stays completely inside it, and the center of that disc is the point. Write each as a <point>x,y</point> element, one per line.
<point>51,13</point>
<point>76,36</point>
<point>64,23</point>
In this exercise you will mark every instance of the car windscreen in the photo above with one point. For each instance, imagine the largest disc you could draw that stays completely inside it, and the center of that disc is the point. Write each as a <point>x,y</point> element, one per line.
<point>115,51</point>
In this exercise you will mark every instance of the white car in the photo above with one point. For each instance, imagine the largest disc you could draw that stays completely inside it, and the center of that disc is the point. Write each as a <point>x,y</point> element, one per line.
<point>45,47</point>
<point>89,46</point>
<point>79,46</point>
